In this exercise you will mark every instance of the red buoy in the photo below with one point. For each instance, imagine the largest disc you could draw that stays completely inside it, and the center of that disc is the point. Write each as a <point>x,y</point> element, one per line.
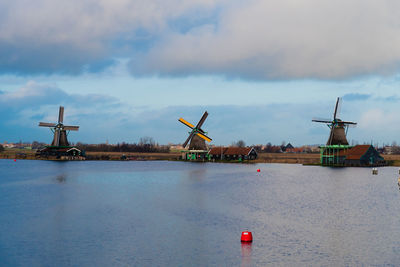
<point>258,170</point>
<point>15,160</point>
<point>246,237</point>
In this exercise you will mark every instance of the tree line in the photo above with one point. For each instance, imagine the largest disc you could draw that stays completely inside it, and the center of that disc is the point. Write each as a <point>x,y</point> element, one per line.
<point>145,144</point>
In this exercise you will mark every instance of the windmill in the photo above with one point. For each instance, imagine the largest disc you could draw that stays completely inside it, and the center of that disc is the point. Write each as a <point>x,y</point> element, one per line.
<point>197,136</point>
<point>59,130</point>
<point>338,127</point>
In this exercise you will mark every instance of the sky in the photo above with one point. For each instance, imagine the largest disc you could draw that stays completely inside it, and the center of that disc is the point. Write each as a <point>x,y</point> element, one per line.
<point>126,69</point>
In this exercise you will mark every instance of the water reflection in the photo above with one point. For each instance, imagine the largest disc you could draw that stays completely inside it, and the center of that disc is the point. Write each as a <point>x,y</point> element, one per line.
<point>246,254</point>
<point>62,173</point>
<point>61,179</point>
<point>197,174</point>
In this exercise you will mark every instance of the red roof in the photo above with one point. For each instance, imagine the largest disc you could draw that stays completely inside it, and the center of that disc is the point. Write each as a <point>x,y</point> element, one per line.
<point>357,152</point>
<point>218,150</point>
<point>238,150</point>
<point>230,151</point>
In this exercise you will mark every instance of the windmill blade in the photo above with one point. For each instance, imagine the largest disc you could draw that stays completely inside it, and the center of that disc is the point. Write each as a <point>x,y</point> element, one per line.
<point>57,137</point>
<point>71,128</point>
<point>188,124</point>
<point>337,108</point>
<point>205,137</point>
<point>331,136</point>
<point>47,124</point>
<point>61,115</point>
<point>201,121</point>
<point>188,139</point>
<point>322,120</point>
<point>349,122</point>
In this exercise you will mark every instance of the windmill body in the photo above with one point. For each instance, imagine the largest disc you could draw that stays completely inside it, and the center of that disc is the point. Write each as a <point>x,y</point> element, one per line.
<point>337,135</point>
<point>197,143</point>
<point>197,136</point>
<point>338,128</point>
<point>59,130</point>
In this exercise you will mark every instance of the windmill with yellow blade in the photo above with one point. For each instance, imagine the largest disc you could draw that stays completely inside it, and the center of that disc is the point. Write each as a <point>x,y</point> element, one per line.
<point>197,136</point>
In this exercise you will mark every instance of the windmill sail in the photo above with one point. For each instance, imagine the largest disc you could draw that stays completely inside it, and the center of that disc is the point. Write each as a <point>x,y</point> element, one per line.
<point>59,129</point>
<point>188,139</point>
<point>338,128</point>
<point>61,115</point>
<point>56,139</point>
<point>197,136</point>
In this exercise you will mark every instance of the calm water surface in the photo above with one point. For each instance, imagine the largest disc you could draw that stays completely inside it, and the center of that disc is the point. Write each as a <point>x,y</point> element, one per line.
<point>188,214</point>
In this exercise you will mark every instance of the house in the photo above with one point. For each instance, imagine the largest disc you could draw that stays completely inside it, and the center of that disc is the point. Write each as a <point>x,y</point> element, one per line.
<point>363,155</point>
<point>63,153</point>
<point>360,155</point>
<point>288,148</point>
<point>217,152</point>
<point>233,153</point>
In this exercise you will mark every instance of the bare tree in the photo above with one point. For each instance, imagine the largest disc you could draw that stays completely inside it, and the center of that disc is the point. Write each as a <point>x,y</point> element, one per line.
<point>239,143</point>
<point>147,140</point>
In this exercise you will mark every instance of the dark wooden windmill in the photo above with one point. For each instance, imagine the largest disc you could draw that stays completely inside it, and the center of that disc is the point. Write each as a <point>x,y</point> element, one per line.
<point>59,130</point>
<point>338,127</point>
<point>197,136</point>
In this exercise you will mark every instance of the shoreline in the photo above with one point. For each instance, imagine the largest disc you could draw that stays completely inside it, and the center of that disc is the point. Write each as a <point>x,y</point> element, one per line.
<point>287,158</point>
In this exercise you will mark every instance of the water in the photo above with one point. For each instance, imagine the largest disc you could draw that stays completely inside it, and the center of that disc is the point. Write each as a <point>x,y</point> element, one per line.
<point>190,214</point>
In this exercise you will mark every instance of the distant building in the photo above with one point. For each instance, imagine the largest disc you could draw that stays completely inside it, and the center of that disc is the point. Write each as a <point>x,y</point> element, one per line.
<point>288,148</point>
<point>8,145</point>
<point>175,147</point>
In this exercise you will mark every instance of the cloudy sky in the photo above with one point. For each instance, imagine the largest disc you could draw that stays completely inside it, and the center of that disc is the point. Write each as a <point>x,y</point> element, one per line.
<point>263,69</point>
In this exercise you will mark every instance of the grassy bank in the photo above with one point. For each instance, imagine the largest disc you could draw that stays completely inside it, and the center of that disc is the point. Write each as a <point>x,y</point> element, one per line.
<point>262,157</point>
<point>291,158</point>
<point>131,156</point>
<point>13,153</point>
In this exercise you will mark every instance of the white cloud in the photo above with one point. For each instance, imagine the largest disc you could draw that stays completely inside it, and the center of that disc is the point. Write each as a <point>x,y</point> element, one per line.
<point>86,21</point>
<point>63,36</point>
<point>287,40</point>
<point>254,39</point>
<point>378,119</point>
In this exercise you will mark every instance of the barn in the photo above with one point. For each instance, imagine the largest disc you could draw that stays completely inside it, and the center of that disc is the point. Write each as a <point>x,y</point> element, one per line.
<point>363,155</point>
<point>61,153</point>
<point>360,155</point>
<point>232,153</point>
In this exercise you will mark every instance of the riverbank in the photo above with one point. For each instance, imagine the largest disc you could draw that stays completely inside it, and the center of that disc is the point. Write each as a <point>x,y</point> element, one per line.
<point>30,155</point>
<point>262,157</point>
<point>290,158</point>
